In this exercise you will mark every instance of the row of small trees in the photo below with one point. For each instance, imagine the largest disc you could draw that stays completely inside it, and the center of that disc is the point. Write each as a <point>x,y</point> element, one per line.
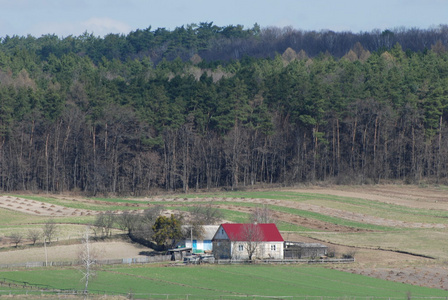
<point>47,233</point>
<point>151,225</point>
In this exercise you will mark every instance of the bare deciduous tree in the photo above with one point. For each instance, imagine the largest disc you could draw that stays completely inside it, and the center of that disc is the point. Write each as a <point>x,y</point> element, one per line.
<point>104,222</point>
<point>146,221</point>
<point>201,215</point>
<point>150,215</point>
<point>127,221</point>
<point>49,230</point>
<point>34,235</point>
<point>253,236</point>
<point>88,259</point>
<point>262,215</point>
<point>193,230</point>
<point>206,214</point>
<point>16,238</point>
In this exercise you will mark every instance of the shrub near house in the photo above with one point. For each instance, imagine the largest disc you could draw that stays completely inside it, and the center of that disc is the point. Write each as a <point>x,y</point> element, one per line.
<point>248,241</point>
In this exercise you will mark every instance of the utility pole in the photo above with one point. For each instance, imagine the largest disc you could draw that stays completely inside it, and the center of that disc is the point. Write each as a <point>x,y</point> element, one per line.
<point>46,254</point>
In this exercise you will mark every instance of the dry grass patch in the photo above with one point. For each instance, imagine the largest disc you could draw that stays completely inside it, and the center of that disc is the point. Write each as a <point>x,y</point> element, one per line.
<point>427,242</point>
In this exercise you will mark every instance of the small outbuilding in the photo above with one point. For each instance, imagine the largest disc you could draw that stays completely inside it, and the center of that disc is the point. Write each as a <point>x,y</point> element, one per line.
<point>298,250</point>
<point>199,244</point>
<point>179,253</point>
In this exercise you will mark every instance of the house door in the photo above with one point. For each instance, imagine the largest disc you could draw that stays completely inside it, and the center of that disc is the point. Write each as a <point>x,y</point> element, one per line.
<point>195,245</point>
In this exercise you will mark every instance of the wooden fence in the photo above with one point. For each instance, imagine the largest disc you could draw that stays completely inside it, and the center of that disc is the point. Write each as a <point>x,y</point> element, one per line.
<point>287,261</point>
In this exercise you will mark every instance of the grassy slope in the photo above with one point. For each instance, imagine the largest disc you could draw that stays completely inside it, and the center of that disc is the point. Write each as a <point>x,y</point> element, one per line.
<point>388,238</point>
<point>428,242</point>
<point>374,208</point>
<point>349,204</point>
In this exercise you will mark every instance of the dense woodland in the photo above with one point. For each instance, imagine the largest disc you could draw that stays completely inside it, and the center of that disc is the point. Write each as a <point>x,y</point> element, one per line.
<point>204,106</point>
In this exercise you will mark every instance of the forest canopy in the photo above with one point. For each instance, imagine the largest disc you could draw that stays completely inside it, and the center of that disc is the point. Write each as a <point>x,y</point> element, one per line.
<point>204,106</point>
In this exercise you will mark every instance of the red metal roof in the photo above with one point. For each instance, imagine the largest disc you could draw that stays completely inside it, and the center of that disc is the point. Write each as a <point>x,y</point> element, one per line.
<point>239,232</point>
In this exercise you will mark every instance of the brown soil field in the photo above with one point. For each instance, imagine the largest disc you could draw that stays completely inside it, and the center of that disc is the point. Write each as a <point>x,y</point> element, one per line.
<point>40,208</point>
<point>102,250</point>
<point>409,196</point>
<point>388,265</point>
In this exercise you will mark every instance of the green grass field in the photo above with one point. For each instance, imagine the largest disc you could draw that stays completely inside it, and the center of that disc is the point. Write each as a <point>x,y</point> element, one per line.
<point>214,281</point>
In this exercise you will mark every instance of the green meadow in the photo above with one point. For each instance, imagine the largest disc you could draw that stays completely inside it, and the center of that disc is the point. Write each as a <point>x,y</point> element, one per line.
<point>222,280</point>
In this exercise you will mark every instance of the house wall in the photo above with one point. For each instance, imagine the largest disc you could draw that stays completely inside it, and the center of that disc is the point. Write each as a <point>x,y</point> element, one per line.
<point>221,234</point>
<point>198,246</point>
<point>222,249</point>
<point>272,250</point>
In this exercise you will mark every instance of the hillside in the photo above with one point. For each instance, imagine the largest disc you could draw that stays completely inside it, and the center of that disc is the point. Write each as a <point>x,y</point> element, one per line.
<point>149,112</point>
<point>395,232</point>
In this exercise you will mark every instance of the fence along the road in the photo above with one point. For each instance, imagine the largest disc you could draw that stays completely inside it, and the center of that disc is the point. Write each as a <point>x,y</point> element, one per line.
<point>136,260</point>
<point>131,295</point>
<point>163,258</point>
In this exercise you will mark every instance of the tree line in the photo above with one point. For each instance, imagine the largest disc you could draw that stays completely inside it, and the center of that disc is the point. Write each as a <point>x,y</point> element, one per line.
<point>219,43</point>
<point>69,122</point>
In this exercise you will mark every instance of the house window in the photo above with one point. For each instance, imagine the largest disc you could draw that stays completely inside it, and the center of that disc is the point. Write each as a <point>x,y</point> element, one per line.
<point>273,247</point>
<point>240,247</point>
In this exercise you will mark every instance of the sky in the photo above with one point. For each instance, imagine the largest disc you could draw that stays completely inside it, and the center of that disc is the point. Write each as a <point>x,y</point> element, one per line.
<point>101,17</point>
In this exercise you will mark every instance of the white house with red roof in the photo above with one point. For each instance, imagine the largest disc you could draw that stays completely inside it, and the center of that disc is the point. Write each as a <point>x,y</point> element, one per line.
<point>248,241</point>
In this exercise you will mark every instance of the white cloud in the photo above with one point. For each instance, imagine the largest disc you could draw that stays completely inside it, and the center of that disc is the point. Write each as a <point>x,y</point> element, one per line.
<point>97,26</point>
<point>103,26</point>
<point>61,29</point>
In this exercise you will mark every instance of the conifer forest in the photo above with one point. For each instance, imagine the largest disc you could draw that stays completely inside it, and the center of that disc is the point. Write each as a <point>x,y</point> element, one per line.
<point>204,106</point>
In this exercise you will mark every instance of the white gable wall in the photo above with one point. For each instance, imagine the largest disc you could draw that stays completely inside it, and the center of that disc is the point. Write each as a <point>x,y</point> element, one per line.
<point>221,234</point>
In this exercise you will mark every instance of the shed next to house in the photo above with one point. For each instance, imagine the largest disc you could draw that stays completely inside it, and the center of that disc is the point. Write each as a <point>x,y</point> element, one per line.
<point>201,244</point>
